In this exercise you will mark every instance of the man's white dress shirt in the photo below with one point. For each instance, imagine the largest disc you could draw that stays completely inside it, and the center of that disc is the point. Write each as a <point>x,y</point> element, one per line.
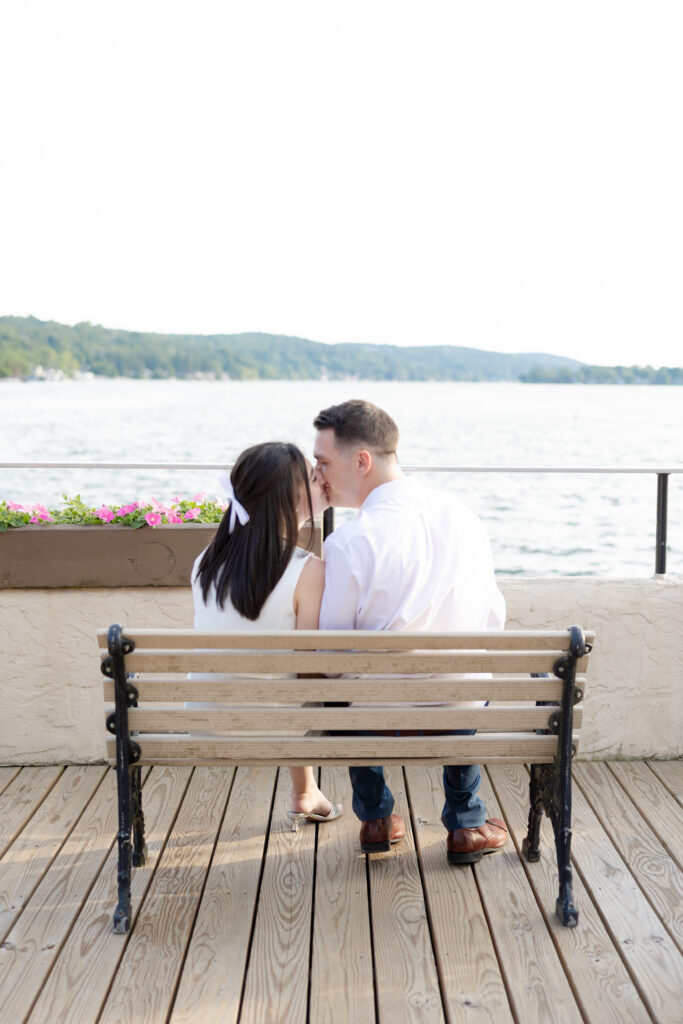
<point>413,559</point>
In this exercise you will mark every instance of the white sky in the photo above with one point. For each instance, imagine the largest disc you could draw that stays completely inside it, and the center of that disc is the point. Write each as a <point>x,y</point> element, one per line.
<point>503,175</point>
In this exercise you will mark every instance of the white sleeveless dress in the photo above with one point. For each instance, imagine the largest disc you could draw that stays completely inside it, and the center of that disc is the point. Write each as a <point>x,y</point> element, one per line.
<point>277,613</point>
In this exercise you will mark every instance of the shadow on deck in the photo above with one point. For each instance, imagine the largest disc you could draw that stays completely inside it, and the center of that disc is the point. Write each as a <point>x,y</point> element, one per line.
<point>239,919</point>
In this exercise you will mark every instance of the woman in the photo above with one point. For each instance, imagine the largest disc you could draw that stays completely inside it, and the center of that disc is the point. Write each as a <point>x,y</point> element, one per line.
<point>253,575</point>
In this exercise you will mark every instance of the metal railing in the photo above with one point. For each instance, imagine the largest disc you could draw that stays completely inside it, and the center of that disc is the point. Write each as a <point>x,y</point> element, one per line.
<point>661,473</point>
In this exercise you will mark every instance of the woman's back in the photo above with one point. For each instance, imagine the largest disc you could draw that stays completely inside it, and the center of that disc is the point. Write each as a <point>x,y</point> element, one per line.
<point>277,612</point>
<point>254,564</point>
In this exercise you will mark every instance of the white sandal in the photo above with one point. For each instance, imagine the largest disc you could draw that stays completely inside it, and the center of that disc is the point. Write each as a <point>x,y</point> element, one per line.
<point>298,817</point>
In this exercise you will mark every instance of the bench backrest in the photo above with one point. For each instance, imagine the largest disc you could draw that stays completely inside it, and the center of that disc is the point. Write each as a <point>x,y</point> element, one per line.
<point>270,714</point>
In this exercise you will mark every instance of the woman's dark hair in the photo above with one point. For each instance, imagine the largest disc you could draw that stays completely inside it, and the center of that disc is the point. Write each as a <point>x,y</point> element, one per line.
<point>245,565</point>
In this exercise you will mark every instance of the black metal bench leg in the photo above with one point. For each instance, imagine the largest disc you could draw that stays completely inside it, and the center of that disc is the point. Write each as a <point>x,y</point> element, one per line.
<point>562,821</point>
<point>565,669</point>
<point>564,908</point>
<point>127,753</point>
<point>530,845</point>
<point>122,914</point>
<point>139,844</point>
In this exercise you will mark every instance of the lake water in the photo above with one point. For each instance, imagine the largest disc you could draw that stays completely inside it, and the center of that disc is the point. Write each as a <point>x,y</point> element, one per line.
<point>539,524</point>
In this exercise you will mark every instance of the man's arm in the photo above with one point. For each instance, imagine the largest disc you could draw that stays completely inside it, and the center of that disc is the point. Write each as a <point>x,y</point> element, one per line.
<point>339,606</point>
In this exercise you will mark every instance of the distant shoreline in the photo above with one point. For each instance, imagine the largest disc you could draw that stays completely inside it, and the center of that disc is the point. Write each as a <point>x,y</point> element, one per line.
<point>97,378</point>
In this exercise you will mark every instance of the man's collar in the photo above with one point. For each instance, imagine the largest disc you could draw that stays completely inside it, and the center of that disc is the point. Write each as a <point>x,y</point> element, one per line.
<point>391,489</point>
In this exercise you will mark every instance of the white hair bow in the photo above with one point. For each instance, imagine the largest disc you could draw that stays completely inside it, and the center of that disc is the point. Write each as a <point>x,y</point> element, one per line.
<point>237,511</point>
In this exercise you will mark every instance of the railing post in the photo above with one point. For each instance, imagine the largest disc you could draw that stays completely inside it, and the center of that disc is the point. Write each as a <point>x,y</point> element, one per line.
<point>328,522</point>
<point>662,502</point>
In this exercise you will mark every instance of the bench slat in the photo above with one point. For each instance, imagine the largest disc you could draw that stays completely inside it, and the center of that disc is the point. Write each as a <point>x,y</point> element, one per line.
<point>356,662</point>
<point>167,639</point>
<point>292,691</point>
<point>524,747</point>
<point>336,762</point>
<point>262,719</point>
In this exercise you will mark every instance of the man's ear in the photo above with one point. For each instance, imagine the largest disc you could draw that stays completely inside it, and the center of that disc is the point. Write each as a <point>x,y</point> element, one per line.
<point>364,461</point>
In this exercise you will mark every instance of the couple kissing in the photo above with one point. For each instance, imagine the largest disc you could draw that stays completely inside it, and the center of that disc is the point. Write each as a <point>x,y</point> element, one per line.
<point>412,559</point>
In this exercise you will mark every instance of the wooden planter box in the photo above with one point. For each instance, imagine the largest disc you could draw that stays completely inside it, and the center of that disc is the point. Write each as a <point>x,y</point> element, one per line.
<point>37,557</point>
<point>100,556</point>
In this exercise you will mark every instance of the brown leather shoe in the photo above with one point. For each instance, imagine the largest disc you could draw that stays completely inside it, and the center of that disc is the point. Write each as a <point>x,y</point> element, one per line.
<point>468,845</point>
<point>376,836</point>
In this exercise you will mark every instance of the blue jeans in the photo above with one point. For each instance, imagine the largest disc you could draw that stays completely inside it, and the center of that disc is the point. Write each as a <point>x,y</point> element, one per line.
<point>463,808</point>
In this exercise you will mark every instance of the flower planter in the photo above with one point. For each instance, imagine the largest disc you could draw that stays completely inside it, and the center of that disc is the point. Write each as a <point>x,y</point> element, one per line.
<point>100,556</point>
<point>51,556</point>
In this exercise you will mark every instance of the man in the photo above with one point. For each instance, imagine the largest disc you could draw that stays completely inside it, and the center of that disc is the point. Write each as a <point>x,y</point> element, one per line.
<point>413,559</point>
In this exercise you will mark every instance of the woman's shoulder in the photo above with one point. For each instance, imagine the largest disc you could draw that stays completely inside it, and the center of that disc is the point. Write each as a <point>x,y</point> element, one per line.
<point>302,558</point>
<point>303,553</point>
<point>313,570</point>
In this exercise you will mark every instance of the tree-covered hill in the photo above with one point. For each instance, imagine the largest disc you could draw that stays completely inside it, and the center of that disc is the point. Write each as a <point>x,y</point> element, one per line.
<point>27,343</point>
<point>585,374</point>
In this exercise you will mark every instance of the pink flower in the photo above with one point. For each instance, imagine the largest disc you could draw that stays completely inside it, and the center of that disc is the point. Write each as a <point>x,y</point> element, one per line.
<point>40,514</point>
<point>199,497</point>
<point>173,517</point>
<point>105,514</point>
<point>178,498</point>
<point>13,507</point>
<point>126,510</point>
<point>192,513</point>
<point>34,520</point>
<point>152,518</point>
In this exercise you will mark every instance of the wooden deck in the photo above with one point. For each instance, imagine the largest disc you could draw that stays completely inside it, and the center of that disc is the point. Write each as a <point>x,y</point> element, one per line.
<point>239,919</point>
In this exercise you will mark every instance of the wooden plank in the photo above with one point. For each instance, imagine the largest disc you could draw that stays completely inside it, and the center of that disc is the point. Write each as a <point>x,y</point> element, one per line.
<point>339,639</point>
<point>594,968</point>
<point>356,662</point>
<point>79,981</point>
<point>265,761</point>
<point>344,749</point>
<point>342,985</point>
<point>33,851</point>
<point>35,940</point>
<point>290,691</point>
<point>407,983</point>
<point>468,968</point>
<point>211,982</point>
<point>7,774</point>
<point>658,806</point>
<point>280,719</point>
<point>671,774</point>
<point>276,987</point>
<point>534,976</point>
<point>148,974</point>
<point>650,954</point>
<point>657,875</point>
<point>21,799</point>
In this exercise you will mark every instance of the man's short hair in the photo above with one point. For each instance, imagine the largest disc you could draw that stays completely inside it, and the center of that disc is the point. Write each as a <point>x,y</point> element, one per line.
<point>361,422</point>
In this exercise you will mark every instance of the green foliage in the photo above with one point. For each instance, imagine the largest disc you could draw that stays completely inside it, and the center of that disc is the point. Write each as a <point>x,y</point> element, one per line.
<point>27,342</point>
<point>604,375</point>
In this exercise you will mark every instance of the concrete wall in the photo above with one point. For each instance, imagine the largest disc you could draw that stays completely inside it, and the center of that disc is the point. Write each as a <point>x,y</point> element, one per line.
<point>51,686</point>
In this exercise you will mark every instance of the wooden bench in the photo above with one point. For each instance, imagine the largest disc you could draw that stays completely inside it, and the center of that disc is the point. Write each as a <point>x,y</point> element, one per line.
<point>151,725</point>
